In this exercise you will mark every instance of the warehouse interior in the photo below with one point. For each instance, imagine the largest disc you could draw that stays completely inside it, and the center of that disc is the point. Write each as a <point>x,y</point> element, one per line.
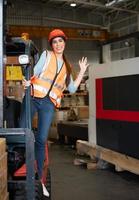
<point>92,147</point>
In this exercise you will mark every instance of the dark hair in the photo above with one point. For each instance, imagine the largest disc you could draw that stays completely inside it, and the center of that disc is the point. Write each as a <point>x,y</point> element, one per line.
<point>69,70</point>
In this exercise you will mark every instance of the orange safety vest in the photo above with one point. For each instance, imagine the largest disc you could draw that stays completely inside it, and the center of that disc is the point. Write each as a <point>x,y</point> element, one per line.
<point>50,81</point>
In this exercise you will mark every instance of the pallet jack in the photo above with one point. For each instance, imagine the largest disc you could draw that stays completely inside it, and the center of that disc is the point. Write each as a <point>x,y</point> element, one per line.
<point>22,178</point>
<point>23,183</point>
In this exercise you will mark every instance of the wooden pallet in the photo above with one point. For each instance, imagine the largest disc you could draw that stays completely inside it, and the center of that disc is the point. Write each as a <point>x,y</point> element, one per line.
<point>3,170</point>
<point>121,161</point>
<point>6,196</point>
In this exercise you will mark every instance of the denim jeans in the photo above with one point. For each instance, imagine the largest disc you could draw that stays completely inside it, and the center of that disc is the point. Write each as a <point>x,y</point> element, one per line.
<point>45,109</point>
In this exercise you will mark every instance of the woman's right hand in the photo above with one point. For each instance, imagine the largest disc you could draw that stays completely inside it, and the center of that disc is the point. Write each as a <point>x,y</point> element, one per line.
<point>26,83</point>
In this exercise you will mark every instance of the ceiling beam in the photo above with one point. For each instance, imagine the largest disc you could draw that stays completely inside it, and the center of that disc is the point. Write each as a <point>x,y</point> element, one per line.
<point>97,4</point>
<point>74,22</point>
<point>60,20</point>
<point>95,34</point>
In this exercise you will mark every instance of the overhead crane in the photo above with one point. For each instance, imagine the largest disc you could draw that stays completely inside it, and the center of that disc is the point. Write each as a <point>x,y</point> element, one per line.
<point>95,34</point>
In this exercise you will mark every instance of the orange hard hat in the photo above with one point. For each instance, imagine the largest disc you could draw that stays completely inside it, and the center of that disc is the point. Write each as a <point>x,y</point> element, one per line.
<point>56,33</point>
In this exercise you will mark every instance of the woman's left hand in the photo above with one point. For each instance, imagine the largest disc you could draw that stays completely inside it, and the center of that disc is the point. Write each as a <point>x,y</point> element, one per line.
<point>26,83</point>
<point>83,64</point>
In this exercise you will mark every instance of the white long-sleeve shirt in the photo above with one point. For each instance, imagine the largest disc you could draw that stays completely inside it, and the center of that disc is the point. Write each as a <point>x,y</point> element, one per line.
<point>39,66</point>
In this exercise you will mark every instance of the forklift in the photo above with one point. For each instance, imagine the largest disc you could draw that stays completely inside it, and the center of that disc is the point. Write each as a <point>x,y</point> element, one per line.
<point>17,58</point>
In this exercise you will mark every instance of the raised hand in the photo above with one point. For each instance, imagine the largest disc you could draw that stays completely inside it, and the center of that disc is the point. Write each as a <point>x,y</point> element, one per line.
<point>83,64</point>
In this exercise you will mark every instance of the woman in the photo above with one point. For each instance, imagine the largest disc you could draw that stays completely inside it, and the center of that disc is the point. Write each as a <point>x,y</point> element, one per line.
<point>52,74</point>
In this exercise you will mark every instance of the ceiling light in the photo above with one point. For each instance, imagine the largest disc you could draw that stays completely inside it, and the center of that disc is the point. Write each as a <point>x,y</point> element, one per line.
<point>110,3</point>
<point>73,4</point>
<point>120,0</point>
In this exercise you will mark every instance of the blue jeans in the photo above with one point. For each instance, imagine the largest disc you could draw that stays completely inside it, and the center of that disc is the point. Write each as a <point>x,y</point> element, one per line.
<point>45,109</point>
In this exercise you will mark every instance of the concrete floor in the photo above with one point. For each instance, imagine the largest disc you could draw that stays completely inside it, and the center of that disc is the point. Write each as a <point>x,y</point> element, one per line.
<point>70,182</point>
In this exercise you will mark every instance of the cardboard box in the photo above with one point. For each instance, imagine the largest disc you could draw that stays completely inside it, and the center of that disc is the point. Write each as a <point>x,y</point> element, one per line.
<point>2,145</point>
<point>3,182</point>
<point>83,112</point>
<point>3,193</point>
<point>12,60</point>
<point>3,162</point>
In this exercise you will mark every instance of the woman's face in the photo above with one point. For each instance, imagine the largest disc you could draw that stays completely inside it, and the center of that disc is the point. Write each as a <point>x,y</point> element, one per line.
<point>58,45</point>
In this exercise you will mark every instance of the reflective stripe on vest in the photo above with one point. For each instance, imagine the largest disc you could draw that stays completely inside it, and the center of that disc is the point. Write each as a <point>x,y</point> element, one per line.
<point>46,79</point>
<point>48,57</point>
<point>40,88</point>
